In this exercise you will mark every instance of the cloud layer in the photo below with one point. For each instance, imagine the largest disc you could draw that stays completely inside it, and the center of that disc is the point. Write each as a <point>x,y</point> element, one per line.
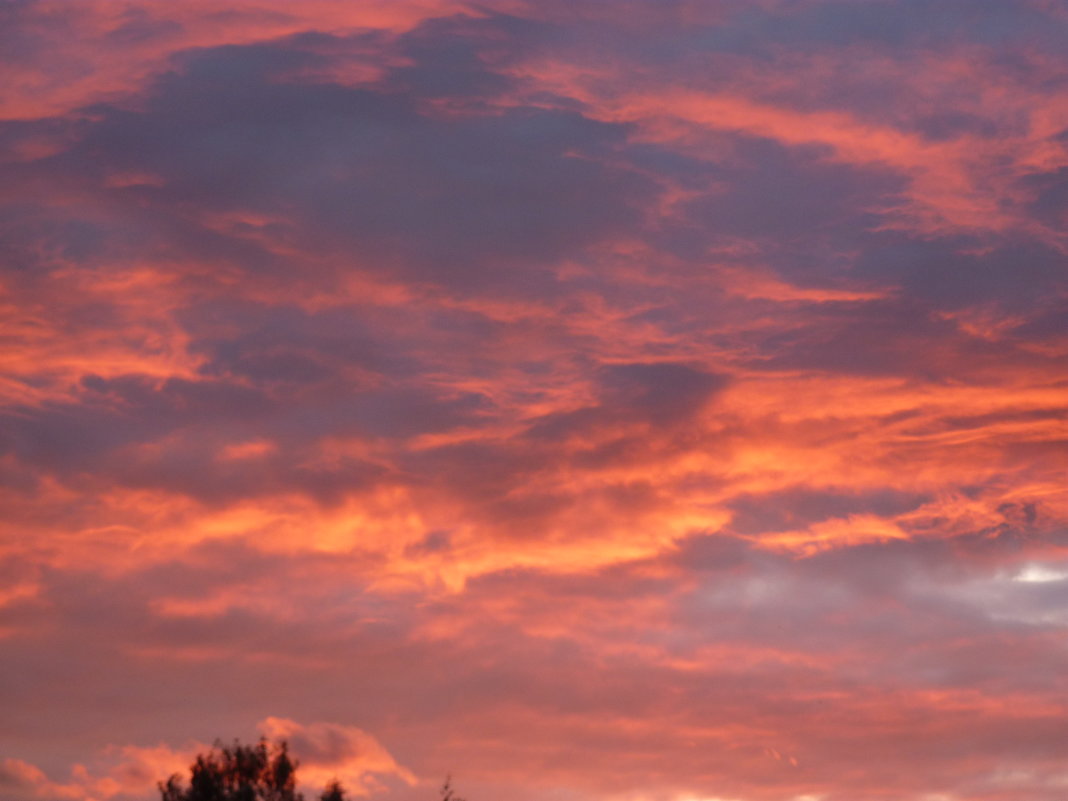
<point>660,402</point>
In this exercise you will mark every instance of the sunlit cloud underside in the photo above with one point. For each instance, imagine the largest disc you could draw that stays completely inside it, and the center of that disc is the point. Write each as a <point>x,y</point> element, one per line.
<point>636,401</point>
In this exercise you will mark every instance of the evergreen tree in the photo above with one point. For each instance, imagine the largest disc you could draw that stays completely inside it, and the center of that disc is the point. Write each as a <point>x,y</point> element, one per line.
<point>333,792</point>
<point>260,772</point>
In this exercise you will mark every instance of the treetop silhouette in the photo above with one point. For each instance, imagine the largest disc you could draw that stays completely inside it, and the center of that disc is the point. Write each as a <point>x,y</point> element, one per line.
<point>261,772</point>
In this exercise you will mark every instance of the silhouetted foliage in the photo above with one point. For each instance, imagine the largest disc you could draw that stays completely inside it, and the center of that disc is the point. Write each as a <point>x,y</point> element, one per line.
<point>447,793</point>
<point>333,792</point>
<point>261,772</point>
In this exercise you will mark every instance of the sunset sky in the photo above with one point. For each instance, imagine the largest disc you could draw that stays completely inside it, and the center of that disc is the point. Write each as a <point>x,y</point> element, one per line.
<point>599,400</point>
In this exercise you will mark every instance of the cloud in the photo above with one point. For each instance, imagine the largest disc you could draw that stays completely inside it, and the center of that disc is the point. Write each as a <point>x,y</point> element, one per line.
<point>125,772</point>
<point>655,403</point>
<point>325,752</point>
<point>465,199</point>
<point>330,750</point>
<point>23,780</point>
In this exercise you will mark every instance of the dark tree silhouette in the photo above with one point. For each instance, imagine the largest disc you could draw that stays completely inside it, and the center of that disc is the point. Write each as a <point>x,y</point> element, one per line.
<point>446,791</point>
<point>333,792</point>
<point>261,772</point>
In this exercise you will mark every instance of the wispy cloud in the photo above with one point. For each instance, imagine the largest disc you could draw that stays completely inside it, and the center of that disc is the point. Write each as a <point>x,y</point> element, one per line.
<point>656,402</point>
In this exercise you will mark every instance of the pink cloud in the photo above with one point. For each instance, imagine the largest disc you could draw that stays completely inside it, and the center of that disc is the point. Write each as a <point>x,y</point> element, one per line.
<point>656,405</point>
<point>332,751</point>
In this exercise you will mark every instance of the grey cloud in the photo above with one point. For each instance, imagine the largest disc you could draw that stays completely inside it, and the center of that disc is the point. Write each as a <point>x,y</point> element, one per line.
<point>800,507</point>
<point>450,199</point>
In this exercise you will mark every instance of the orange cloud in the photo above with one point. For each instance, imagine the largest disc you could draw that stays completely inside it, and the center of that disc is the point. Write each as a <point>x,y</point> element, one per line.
<point>331,751</point>
<point>650,405</point>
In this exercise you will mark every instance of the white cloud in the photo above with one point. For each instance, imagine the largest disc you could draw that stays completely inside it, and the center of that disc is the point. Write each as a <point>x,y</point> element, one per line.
<point>1041,574</point>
